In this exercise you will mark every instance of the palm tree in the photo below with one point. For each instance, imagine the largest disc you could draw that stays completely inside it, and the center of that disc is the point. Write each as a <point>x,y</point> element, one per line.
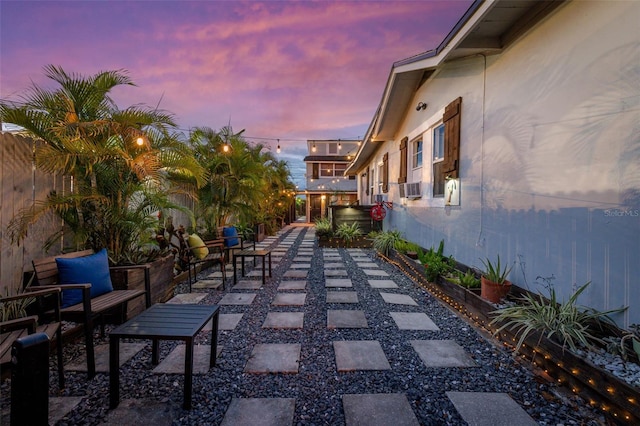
<point>124,163</point>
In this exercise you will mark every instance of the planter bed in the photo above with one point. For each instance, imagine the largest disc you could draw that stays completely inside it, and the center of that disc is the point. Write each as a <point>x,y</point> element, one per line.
<point>619,400</point>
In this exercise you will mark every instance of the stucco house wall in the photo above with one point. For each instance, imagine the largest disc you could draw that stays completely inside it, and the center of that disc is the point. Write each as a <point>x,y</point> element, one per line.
<point>549,157</point>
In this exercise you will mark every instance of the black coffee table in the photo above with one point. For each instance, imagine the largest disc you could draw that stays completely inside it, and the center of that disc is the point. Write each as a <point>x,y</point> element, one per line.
<point>164,321</point>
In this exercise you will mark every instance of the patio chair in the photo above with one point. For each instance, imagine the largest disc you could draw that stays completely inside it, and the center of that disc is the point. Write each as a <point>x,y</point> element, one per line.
<point>199,251</point>
<point>233,240</point>
<point>41,322</point>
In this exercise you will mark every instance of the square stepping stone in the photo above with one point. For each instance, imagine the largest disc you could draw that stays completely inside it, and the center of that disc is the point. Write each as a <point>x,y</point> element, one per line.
<point>338,282</point>
<point>227,321</point>
<point>375,272</point>
<point>174,362</point>
<point>296,274</point>
<point>187,298</point>
<point>274,358</point>
<point>302,259</point>
<point>381,409</point>
<point>360,355</point>
<point>292,285</point>
<point>342,297</point>
<point>382,284</point>
<point>260,411</point>
<point>489,409</point>
<point>289,299</point>
<point>284,320</point>
<point>127,351</point>
<point>248,285</point>
<point>59,406</point>
<point>367,264</point>
<point>442,353</point>
<point>413,321</point>
<point>209,284</point>
<point>214,275</point>
<point>300,266</point>
<point>398,299</point>
<point>335,273</point>
<point>346,319</point>
<point>141,411</point>
<point>330,265</point>
<point>237,299</point>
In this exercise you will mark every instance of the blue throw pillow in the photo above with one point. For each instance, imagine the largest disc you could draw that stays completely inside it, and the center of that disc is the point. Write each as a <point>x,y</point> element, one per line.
<point>230,235</point>
<point>92,269</point>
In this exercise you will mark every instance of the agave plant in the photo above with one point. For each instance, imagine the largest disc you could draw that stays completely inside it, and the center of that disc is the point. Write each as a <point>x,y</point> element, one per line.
<point>348,232</point>
<point>323,227</point>
<point>384,241</point>
<point>494,272</point>
<point>566,323</point>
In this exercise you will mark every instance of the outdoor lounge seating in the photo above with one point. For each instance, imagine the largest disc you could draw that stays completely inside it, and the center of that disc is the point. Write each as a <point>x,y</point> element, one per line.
<point>199,251</point>
<point>87,293</point>
<point>233,240</point>
<point>51,325</point>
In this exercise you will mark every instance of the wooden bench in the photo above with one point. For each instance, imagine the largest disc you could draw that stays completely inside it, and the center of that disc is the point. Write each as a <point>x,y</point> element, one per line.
<point>14,329</point>
<point>46,271</point>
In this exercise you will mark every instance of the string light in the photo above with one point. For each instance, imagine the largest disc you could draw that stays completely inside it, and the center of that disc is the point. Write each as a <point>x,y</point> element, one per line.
<point>140,141</point>
<point>278,149</point>
<point>313,148</point>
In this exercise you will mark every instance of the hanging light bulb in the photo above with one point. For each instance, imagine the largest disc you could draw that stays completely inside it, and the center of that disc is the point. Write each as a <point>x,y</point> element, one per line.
<point>225,147</point>
<point>140,141</point>
<point>278,149</point>
<point>339,145</point>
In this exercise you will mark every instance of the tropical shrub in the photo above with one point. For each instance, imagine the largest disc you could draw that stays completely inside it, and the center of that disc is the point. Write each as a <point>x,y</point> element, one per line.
<point>348,232</point>
<point>323,227</point>
<point>435,263</point>
<point>384,241</point>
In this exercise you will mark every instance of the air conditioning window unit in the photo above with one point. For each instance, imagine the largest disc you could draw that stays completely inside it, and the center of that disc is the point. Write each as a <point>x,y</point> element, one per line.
<point>411,190</point>
<point>381,198</point>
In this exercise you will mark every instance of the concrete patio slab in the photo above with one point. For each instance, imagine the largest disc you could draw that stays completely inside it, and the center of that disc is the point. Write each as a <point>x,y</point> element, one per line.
<point>187,298</point>
<point>342,297</point>
<point>260,411</point>
<point>284,320</point>
<point>248,285</point>
<point>367,264</point>
<point>274,358</point>
<point>413,321</point>
<point>292,285</point>
<point>489,409</point>
<point>59,406</point>
<point>334,265</point>
<point>360,355</point>
<point>335,273</point>
<point>302,259</point>
<point>127,351</point>
<point>174,362</point>
<point>289,299</point>
<point>382,409</point>
<point>442,353</point>
<point>237,299</point>
<point>300,266</point>
<point>382,284</point>
<point>296,274</point>
<point>375,272</point>
<point>338,282</point>
<point>141,412</point>
<point>214,275</point>
<point>339,318</point>
<point>227,321</point>
<point>208,284</point>
<point>398,299</point>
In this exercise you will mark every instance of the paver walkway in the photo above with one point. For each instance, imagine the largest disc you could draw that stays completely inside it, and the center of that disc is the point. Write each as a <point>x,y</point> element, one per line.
<point>338,300</point>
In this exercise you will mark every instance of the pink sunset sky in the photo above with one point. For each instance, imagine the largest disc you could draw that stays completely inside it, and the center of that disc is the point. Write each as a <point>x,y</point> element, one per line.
<point>279,69</point>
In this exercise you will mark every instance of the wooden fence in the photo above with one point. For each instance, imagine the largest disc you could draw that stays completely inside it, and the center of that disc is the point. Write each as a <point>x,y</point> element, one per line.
<point>20,186</point>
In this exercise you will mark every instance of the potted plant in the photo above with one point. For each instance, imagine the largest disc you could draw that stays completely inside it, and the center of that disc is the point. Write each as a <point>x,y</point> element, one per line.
<point>494,284</point>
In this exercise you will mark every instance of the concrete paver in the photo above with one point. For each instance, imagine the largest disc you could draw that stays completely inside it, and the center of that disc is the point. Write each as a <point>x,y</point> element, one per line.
<point>360,355</point>
<point>274,358</point>
<point>289,299</point>
<point>383,409</point>
<point>335,273</point>
<point>398,299</point>
<point>442,353</point>
<point>338,282</point>
<point>489,409</point>
<point>383,284</point>
<point>127,351</point>
<point>342,297</point>
<point>346,319</point>
<point>413,321</point>
<point>237,299</point>
<point>292,285</point>
<point>375,272</point>
<point>284,320</point>
<point>296,274</point>
<point>174,362</point>
<point>260,411</point>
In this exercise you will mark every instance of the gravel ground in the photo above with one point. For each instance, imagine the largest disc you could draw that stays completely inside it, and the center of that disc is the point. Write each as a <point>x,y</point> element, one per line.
<point>318,387</point>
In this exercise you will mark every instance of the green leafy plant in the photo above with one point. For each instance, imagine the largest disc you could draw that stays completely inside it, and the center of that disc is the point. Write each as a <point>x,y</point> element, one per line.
<point>467,279</point>
<point>495,272</point>
<point>435,263</point>
<point>323,227</point>
<point>565,323</point>
<point>384,241</point>
<point>348,232</point>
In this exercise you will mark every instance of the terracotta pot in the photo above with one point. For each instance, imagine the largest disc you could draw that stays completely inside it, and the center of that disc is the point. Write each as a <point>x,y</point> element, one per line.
<point>494,292</point>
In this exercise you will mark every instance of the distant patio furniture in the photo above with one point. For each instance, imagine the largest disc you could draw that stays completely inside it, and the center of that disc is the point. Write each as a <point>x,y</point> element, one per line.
<point>199,251</point>
<point>263,254</point>
<point>233,240</point>
<point>89,306</point>
<point>164,322</point>
<point>51,325</point>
